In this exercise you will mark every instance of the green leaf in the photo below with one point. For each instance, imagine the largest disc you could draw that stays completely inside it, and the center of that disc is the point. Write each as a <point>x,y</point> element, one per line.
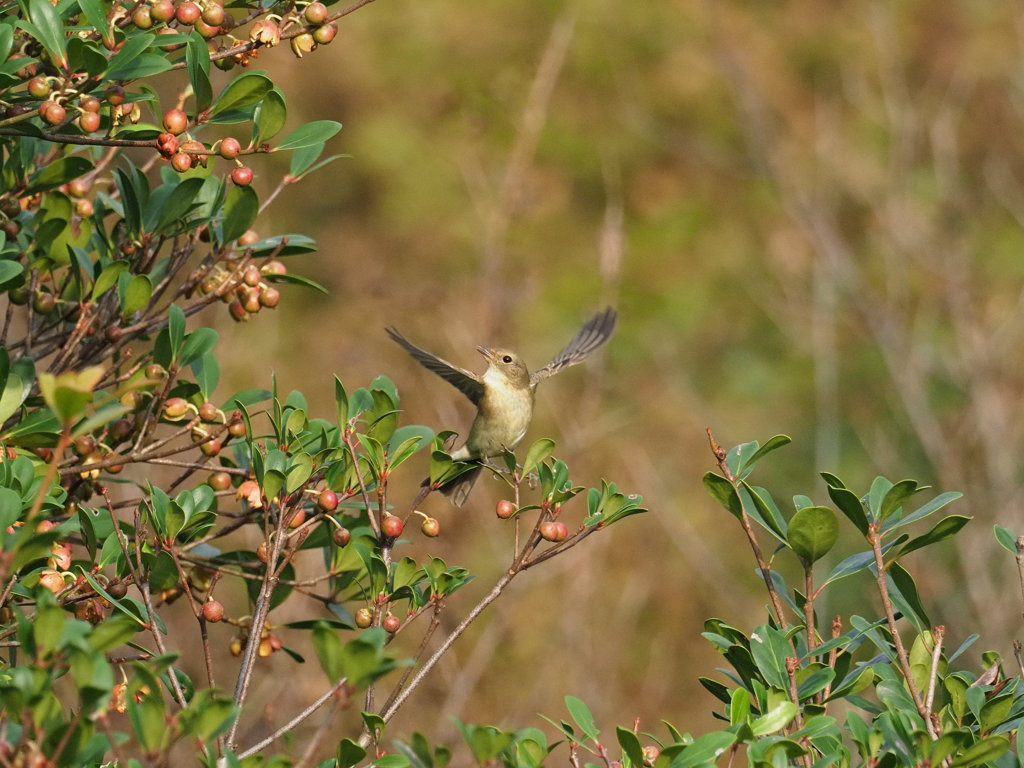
<point>243,91</point>
<point>97,17</point>
<point>582,716</point>
<point>850,506</point>
<point>363,660</point>
<point>175,330</point>
<point>769,648</point>
<point>304,159</point>
<point>895,496</point>
<point>68,393</point>
<point>58,172</point>
<point>309,134</point>
<point>49,30</point>
<point>1007,539</point>
<point>48,625</point>
<point>113,631</point>
<point>812,533</point>
<point>12,396</point>
<point>722,491</point>
<point>270,117</point>
<point>197,61</point>
<point>995,712</point>
<point>150,64</point>
<point>328,648</point>
<point>6,40</point>
<point>772,444</point>
<point>880,486</point>
<point>133,48</point>
<point>349,753</point>
<point>317,166</point>
<point>294,279</point>
<point>131,203</point>
<point>197,344</point>
<point>137,293</point>
<point>298,472</point>
<point>927,509</point>
<point>906,587</point>
<point>538,452</point>
<point>148,718</point>
<point>704,750</point>
<point>777,718</point>
<point>181,201</point>
<point>207,373</point>
<point>284,245</point>
<point>108,278</point>
<point>630,745</point>
<point>739,706</point>
<point>10,271</point>
<point>946,527</point>
<point>762,508</point>
<point>240,211</point>
<point>982,752</point>
<point>391,761</point>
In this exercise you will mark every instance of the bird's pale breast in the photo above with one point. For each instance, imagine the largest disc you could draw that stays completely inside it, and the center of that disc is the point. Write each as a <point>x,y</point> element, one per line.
<point>503,417</point>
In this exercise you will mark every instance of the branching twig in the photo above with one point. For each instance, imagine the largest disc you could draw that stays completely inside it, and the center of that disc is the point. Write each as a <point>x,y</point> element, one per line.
<point>304,714</point>
<point>762,564</point>
<point>875,539</point>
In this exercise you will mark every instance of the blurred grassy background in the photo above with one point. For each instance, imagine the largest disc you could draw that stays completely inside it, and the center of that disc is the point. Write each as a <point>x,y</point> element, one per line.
<point>810,217</point>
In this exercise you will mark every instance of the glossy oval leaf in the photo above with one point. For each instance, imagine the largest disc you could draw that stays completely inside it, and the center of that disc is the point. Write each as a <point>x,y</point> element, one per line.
<point>58,172</point>
<point>850,506</point>
<point>197,61</point>
<point>309,134</point>
<point>582,716</point>
<point>896,496</point>
<point>773,443</point>
<point>721,490</point>
<point>946,527</point>
<point>925,510</point>
<point>775,719</point>
<point>108,278</point>
<point>137,293</point>
<point>180,202</point>
<point>538,452</point>
<point>813,532</point>
<point>982,752</point>
<point>1007,539</point>
<point>705,749</point>
<point>270,117</point>
<point>48,29</point>
<point>630,745</point>
<point>240,211</point>
<point>769,649</point>
<point>10,271</point>
<point>243,91</point>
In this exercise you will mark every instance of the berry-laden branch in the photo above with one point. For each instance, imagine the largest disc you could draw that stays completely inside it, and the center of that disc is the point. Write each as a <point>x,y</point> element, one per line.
<point>259,619</point>
<point>522,560</point>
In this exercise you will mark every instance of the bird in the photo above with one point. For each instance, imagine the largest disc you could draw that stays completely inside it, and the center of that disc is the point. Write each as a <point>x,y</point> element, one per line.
<point>503,394</point>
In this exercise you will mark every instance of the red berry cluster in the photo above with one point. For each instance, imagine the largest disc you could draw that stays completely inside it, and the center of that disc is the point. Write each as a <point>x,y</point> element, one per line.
<point>246,292</point>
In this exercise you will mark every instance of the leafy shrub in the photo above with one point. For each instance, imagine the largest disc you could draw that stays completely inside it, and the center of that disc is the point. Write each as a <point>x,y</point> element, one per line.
<point>123,485</point>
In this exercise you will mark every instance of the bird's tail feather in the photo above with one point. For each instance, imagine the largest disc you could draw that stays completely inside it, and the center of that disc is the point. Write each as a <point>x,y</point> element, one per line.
<point>458,489</point>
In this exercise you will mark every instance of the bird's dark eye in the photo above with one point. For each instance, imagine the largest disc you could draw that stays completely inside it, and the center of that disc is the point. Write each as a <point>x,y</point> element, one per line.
<point>507,359</point>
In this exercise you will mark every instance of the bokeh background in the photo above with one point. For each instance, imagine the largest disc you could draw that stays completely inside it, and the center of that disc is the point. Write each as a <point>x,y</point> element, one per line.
<point>811,217</point>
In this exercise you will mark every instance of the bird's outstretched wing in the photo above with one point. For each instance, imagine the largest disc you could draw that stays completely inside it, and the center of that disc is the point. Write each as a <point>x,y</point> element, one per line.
<point>465,381</point>
<point>595,332</point>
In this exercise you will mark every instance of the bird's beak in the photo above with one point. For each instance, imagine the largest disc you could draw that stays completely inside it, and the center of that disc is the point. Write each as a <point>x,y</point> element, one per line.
<point>487,353</point>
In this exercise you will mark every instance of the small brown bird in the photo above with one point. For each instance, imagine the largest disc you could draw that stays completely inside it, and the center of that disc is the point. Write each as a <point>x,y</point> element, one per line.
<point>503,394</point>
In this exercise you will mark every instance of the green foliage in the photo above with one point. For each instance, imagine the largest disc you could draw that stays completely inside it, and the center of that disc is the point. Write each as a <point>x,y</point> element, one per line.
<point>122,220</point>
<point>793,697</point>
